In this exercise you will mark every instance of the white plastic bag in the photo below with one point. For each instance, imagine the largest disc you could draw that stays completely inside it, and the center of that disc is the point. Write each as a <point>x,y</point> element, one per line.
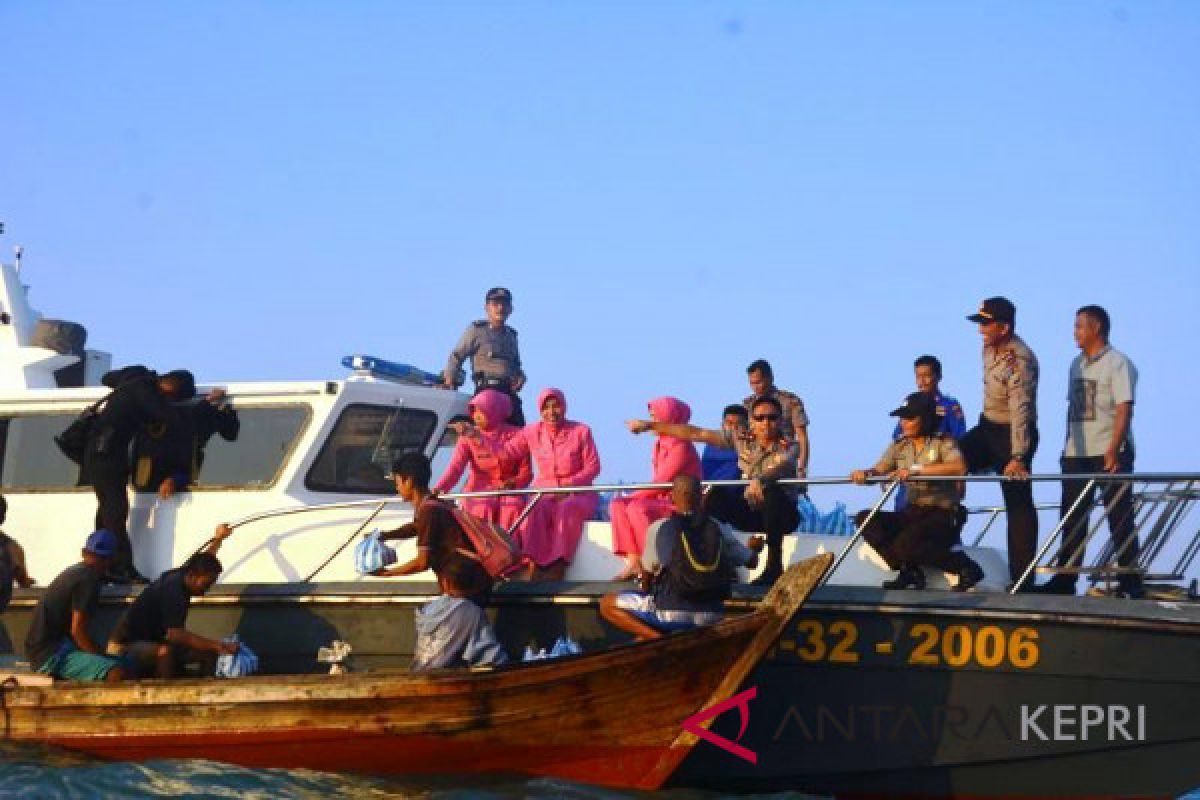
<point>370,554</point>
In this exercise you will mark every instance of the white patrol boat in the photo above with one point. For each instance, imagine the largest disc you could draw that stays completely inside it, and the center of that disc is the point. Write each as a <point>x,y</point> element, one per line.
<point>298,480</point>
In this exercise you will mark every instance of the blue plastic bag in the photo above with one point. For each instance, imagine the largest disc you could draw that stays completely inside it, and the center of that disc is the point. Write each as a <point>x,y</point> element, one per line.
<point>235,665</point>
<point>810,518</point>
<point>836,522</point>
<point>563,646</point>
<point>370,554</point>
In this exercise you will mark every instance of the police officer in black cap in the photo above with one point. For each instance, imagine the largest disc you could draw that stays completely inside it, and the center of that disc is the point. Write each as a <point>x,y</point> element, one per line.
<point>491,345</point>
<point>926,531</point>
<point>1006,437</point>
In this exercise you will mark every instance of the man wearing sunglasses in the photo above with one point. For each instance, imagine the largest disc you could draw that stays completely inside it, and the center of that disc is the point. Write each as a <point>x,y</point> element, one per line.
<point>793,423</point>
<point>764,457</point>
<point>1006,436</point>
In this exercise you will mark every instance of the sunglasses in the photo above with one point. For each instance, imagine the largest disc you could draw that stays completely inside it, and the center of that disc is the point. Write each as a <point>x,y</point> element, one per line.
<point>766,417</point>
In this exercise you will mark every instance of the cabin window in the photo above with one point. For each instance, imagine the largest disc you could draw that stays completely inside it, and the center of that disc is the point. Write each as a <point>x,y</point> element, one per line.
<point>365,441</point>
<point>255,458</point>
<point>29,458</point>
<point>31,461</point>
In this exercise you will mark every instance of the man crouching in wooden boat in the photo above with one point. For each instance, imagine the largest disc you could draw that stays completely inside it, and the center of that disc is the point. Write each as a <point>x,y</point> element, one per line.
<point>690,563</point>
<point>452,631</point>
<point>440,539</point>
<point>151,634</point>
<point>58,642</point>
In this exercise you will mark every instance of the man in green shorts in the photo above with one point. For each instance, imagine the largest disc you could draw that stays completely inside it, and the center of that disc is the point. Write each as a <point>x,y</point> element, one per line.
<point>58,642</point>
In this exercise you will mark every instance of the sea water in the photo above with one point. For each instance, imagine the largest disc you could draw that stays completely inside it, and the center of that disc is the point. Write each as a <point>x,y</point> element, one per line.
<point>43,774</point>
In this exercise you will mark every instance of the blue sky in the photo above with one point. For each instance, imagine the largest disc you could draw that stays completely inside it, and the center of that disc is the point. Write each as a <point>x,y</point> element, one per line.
<point>670,189</point>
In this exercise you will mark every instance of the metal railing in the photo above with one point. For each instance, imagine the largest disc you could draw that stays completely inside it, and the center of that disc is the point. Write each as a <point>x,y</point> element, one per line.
<point>1160,504</point>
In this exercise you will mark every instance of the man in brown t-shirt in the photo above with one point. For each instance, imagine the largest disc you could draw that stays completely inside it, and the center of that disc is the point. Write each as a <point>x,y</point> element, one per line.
<point>440,540</point>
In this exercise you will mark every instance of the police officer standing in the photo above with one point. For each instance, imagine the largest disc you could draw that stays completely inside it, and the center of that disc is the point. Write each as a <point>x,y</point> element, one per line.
<point>1006,437</point>
<point>491,345</point>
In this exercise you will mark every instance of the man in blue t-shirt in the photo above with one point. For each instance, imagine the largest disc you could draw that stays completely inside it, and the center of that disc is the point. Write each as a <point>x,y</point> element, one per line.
<point>951,421</point>
<point>721,463</point>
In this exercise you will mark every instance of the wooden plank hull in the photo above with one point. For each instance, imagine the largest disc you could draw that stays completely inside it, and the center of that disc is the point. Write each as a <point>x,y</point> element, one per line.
<point>585,721</point>
<point>613,718</point>
<point>335,750</point>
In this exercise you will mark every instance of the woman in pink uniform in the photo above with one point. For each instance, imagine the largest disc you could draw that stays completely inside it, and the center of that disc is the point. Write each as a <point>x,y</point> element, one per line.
<point>491,469</point>
<point>632,515</point>
<point>565,455</point>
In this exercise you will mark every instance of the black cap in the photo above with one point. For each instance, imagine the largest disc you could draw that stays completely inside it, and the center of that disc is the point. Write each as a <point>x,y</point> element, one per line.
<point>184,380</point>
<point>995,309</point>
<point>917,404</point>
<point>498,293</point>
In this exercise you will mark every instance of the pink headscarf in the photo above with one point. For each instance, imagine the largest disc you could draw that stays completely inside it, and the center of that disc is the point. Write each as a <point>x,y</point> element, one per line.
<point>548,393</point>
<point>496,406</point>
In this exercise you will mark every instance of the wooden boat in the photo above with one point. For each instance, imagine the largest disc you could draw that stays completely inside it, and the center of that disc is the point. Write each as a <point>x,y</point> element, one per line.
<point>613,718</point>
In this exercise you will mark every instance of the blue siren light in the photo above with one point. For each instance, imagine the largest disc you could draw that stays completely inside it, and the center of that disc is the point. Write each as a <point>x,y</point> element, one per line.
<point>383,369</point>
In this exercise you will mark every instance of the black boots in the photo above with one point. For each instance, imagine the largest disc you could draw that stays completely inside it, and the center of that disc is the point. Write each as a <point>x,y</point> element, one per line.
<point>772,570</point>
<point>1059,584</point>
<point>909,577</point>
<point>968,575</point>
<point>770,574</point>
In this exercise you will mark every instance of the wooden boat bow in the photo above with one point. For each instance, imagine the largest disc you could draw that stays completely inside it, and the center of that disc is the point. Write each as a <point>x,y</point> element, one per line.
<point>778,607</point>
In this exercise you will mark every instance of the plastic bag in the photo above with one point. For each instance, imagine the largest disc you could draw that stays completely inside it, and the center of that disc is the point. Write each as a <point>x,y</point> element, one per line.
<point>370,554</point>
<point>810,518</point>
<point>836,522</point>
<point>563,646</point>
<point>235,665</point>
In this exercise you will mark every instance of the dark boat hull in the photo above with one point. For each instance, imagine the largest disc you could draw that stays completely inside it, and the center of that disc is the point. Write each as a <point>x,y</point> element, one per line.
<point>869,693</point>
<point>944,701</point>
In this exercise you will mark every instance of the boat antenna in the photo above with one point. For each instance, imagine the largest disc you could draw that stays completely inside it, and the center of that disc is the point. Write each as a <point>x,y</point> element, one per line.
<point>17,251</point>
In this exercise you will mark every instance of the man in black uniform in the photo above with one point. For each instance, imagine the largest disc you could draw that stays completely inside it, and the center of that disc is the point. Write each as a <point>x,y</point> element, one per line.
<point>139,398</point>
<point>168,458</point>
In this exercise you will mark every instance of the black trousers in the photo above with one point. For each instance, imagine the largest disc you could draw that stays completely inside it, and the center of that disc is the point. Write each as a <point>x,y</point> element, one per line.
<point>517,415</point>
<point>110,481</point>
<point>1118,504</point>
<point>988,448</point>
<point>917,535</point>
<point>776,517</point>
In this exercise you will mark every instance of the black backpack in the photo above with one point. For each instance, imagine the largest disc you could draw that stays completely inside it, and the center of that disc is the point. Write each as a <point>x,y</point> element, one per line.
<point>73,440</point>
<point>699,570</point>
